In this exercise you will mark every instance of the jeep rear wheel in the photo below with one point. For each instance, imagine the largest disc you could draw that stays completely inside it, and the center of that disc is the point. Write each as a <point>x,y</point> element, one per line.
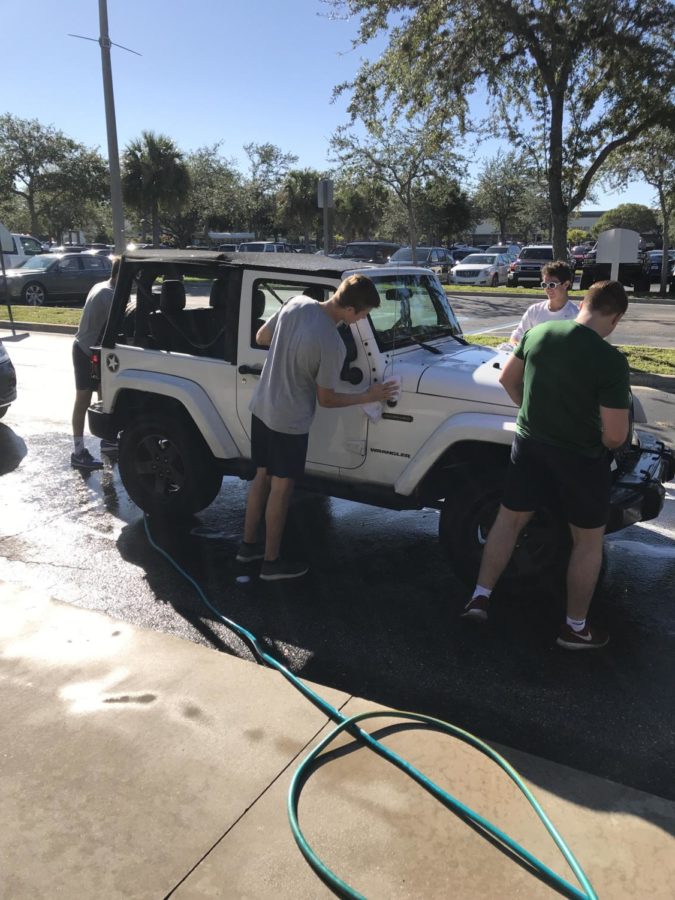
<point>166,467</point>
<point>468,513</point>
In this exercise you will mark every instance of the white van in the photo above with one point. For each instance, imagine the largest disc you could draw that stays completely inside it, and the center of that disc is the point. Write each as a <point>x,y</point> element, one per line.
<point>24,246</point>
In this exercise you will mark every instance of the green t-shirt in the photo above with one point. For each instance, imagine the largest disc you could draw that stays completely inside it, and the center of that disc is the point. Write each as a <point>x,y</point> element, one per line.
<point>570,372</point>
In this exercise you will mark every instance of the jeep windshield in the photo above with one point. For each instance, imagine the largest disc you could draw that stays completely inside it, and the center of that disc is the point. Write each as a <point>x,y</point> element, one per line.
<point>412,307</point>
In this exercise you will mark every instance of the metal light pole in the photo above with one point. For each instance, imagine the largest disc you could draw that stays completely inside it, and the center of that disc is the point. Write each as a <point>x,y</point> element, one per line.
<point>111,128</point>
<point>111,125</point>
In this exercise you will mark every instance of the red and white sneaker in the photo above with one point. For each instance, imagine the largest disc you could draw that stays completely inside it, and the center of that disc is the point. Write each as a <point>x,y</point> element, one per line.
<point>587,639</point>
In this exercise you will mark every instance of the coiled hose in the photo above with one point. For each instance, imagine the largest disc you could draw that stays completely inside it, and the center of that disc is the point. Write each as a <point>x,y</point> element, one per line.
<point>350,724</point>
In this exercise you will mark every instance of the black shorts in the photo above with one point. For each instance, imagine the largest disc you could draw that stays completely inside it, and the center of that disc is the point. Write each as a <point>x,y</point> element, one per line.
<point>283,455</point>
<point>82,366</point>
<point>540,474</point>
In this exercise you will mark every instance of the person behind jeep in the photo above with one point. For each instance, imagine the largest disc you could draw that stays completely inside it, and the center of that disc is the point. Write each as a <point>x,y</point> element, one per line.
<point>303,365</point>
<point>556,280</point>
<point>573,391</point>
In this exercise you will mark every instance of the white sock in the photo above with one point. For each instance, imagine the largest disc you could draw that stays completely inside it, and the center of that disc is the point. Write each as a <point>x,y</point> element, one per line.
<point>481,592</point>
<point>79,444</point>
<point>576,624</point>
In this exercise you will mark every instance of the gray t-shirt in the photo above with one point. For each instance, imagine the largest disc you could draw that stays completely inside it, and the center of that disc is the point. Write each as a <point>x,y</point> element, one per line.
<point>306,351</point>
<point>94,315</point>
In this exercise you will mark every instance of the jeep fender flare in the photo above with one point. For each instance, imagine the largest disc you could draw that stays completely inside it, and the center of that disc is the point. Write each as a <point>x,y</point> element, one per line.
<point>191,396</point>
<point>485,428</point>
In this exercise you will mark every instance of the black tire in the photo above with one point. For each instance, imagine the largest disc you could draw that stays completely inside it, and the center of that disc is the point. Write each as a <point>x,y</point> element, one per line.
<point>512,283</point>
<point>3,410</point>
<point>495,280</point>
<point>166,467</point>
<point>34,294</point>
<point>642,285</point>
<point>468,512</point>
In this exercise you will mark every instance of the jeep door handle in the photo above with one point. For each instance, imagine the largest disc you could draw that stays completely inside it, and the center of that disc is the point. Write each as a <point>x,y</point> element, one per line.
<point>250,370</point>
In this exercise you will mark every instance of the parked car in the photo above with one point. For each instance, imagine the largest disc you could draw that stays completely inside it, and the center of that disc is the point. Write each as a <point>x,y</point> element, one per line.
<point>526,269</point>
<point>653,264</point>
<point>579,254</point>
<point>437,259</point>
<point>7,381</point>
<point>510,250</point>
<point>481,268</point>
<point>50,277</point>
<point>265,247</point>
<point>368,251</point>
<point>458,253</point>
<point>228,248</point>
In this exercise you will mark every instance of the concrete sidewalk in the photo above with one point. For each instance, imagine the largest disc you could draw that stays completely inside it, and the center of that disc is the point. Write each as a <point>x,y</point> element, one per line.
<point>138,765</point>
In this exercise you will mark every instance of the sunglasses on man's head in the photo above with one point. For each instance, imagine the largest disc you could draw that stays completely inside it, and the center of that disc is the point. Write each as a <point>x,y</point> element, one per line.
<point>550,284</point>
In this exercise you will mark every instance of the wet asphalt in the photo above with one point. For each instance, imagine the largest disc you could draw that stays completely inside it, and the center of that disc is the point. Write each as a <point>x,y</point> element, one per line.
<point>377,614</point>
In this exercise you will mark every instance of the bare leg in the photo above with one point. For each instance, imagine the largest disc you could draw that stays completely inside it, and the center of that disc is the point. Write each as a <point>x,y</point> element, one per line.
<point>82,401</point>
<point>583,570</point>
<point>275,515</point>
<point>500,544</point>
<point>258,493</point>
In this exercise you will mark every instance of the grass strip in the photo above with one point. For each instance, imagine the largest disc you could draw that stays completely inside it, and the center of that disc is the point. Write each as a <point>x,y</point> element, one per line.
<point>645,360</point>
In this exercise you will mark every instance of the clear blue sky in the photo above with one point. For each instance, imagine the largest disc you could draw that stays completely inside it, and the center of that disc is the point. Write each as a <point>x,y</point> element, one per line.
<point>211,70</point>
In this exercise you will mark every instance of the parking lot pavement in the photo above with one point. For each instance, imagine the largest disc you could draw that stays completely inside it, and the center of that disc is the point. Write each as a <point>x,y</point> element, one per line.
<point>139,765</point>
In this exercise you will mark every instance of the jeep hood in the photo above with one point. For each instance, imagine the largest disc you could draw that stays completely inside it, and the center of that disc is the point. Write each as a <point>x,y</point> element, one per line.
<point>470,372</point>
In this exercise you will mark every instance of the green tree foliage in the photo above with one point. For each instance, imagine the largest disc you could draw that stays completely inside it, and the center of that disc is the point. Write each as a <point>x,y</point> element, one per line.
<point>588,76</point>
<point>652,157</point>
<point>577,236</point>
<point>402,158</point>
<point>268,166</point>
<point>445,211</point>
<point>54,179</point>
<point>298,203</point>
<point>360,203</point>
<point>155,178</point>
<point>504,193</point>
<point>213,200</point>
<point>628,215</point>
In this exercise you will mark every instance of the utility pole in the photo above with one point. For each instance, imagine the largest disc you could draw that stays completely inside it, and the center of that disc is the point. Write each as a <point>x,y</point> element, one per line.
<point>105,44</point>
<point>111,128</point>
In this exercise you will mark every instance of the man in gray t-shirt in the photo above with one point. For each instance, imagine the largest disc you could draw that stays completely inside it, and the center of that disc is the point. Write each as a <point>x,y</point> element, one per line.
<point>92,322</point>
<point>303,365</point>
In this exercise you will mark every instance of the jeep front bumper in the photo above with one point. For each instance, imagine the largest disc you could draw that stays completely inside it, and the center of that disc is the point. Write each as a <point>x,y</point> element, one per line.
<point>638,492</point>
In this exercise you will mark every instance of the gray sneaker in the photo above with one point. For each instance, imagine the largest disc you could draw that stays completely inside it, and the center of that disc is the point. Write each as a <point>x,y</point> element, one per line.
<point>280,569</point>
<point>84,460</point>
<point>250,552</point>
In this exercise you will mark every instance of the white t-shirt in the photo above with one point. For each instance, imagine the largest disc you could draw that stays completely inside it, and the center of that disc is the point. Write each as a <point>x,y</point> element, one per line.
<point>539,312</point>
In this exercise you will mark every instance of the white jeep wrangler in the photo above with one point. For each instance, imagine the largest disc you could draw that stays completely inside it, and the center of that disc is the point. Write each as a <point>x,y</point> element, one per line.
<point>179,362</point>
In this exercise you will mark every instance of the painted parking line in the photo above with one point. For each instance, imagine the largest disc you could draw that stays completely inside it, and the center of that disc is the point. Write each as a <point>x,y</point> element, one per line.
<point>509,326</point>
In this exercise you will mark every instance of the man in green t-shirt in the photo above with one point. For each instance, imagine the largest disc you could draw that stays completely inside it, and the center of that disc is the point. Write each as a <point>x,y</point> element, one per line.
<point>573,391</point>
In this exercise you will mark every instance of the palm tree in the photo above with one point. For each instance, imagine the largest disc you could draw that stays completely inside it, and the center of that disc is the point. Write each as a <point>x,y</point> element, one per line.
<point>155,177</point>
<point>298,196</point>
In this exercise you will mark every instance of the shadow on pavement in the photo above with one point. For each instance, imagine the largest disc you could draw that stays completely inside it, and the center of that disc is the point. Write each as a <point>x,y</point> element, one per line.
<point>377,617</point>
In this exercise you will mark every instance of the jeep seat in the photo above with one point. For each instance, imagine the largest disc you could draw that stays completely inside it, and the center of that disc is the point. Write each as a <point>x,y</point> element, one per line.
<point>168,325</point>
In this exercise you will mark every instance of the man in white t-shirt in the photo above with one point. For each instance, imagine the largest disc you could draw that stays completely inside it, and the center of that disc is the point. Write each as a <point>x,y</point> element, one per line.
<point>556,280</point>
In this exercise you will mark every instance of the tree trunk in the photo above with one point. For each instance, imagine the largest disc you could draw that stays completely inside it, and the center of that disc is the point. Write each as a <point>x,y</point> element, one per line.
<point>665,259</point>
<point>559,210</point>
<point>155,223</point>
<point>412,228</point>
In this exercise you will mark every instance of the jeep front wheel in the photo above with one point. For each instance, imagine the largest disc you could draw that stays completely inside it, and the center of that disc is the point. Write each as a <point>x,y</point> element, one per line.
<point>468,513</point>
<point>166,467</point>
